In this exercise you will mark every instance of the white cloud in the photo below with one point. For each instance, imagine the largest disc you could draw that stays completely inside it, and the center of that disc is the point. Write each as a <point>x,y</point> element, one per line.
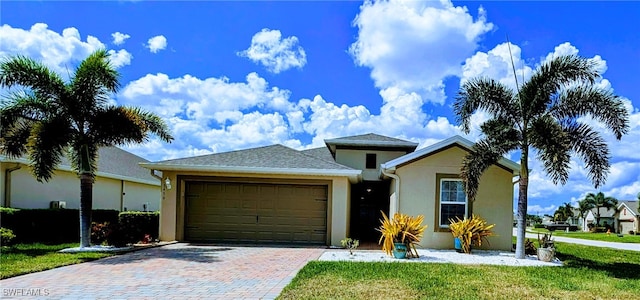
<point>540,210</point>
<point>119,38</point>
<point>413,45</point>
<point>269,49</point>
<point>60,52</point>
<point>157,43</point>
<point>120,58</point>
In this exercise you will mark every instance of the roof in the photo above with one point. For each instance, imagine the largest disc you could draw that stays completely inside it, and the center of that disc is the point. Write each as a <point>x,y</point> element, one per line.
<point>444,144</point>
<point>320,152</point>
<point>632,205</point>
<point>371,139</point>
<point>604,212</point>
<point>113,162</point>
<point>275,159</point>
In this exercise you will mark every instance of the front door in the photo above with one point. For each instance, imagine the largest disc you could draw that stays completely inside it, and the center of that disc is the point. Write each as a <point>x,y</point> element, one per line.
<point>368,199</point>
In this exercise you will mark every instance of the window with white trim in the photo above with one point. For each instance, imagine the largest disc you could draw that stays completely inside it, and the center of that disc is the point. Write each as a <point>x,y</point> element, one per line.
<point>453,200</point>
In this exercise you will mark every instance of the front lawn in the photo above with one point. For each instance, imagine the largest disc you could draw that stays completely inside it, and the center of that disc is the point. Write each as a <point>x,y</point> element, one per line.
<point>589,273</point>
<point>28,258</point>
<point>600,236</point>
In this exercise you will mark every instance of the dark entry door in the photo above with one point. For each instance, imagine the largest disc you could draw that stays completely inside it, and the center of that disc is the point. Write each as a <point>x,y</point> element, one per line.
<point>368,199</point>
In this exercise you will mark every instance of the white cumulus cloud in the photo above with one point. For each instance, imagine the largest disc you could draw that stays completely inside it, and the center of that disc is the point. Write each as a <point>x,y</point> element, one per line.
<point>413,45</point>
<point>59,51</point>
<point>157,43</point>
<point>276,54</point>
<point>119,38</point>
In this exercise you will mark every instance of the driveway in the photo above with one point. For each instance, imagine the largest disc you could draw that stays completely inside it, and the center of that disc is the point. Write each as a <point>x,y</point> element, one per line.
<point>615,245</point>
<point>176,271</point>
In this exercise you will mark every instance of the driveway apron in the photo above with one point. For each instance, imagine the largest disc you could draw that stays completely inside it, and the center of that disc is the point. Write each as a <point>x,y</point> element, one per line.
<point>176,271</point>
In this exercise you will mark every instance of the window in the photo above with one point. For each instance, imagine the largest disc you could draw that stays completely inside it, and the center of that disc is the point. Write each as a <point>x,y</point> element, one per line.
<point>371,161</point>
<point>453,200</point>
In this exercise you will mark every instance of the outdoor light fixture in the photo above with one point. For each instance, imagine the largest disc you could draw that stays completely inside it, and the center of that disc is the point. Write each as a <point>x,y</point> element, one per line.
<point>167,183</point>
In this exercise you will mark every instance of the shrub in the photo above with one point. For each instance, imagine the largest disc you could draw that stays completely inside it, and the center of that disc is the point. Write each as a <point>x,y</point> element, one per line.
<point>538,225</point>
<point>134,225</point>
<point>631,232</point>
<point>471,231</point>
<point>6,236</point>
<point>100,232</point>
<point>401,229</point>
<point>530,247</point>
<point>50,226</point>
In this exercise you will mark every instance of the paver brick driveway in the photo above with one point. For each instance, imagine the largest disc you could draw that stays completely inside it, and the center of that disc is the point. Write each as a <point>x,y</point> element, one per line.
<point>176,271</point>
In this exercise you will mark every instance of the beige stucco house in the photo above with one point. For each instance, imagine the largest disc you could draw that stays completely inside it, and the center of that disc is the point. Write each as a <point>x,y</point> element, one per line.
<point>121,184</point>
<point>627,217</point>
<point>322,195</point>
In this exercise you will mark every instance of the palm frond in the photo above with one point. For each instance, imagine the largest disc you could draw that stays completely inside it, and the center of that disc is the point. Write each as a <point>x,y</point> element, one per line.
<point>482,156</point>
<point>46,145</point>
<point>487,95</point>
<point>122,125</point>
<point>24,71</point>
<point>537,93</point>
<point>582,100</point>
<point>94,80</point>
<point>592,148</point>
<point>553,146</point>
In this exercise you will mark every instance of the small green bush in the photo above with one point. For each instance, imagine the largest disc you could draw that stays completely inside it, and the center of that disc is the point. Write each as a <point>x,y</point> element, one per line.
<point>136,226</point>
<point>538,225</point>
<point>7,236</point>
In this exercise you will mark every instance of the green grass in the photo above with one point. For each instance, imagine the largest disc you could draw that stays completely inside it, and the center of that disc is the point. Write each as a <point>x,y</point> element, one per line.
<point>28,258</point>
<point>626,238</point>
<point>589,273</point>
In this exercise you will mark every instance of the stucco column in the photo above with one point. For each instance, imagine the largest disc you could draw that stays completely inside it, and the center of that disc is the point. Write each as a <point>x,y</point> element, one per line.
<point>168,207</point>
<point>339,210</point>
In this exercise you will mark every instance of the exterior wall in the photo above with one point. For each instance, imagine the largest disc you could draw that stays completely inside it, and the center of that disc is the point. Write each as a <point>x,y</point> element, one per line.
<point>357,159</point>
<point>27,192</point>
<point>172,204</point>
<point>137,194</point>
<point>494,201</point>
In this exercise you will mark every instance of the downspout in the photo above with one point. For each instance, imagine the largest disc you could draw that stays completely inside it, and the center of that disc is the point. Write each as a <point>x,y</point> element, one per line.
<point>7,184</point>
<point>121,195</point>
<point>396,201</point>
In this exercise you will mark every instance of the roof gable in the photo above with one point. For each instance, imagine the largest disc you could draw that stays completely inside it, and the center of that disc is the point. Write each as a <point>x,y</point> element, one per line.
<point>440,146</point>
<point>632,206</point>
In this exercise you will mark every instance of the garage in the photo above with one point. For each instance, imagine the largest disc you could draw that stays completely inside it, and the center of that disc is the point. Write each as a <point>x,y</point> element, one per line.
<point>255,212</point>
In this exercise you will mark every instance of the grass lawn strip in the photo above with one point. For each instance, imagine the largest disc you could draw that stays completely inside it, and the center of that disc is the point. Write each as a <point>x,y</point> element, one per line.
<point>28,258</point>
<point>626,238</point>
<point>589,273</point>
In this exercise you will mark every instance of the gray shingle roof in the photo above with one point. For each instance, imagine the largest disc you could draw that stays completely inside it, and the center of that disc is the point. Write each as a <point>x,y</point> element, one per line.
<point>320,152</point>
<point>275,156</point>
<point>114,161</point>
<point>632,205</point>
<point>371,139</point>
<point>604,212</point>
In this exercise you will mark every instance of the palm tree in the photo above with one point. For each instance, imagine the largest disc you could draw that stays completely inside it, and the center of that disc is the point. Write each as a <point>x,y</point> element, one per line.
<point>599,200</point>
<point>584,207</point>
<point>45,118</point>
<point>543,114</point>
<point>563,212</point>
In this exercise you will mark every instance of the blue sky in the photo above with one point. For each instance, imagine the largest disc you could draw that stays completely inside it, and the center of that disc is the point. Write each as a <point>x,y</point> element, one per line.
<point>235,75</point>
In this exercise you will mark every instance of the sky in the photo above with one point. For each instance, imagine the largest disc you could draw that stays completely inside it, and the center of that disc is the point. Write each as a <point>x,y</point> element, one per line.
<point>235,75</point>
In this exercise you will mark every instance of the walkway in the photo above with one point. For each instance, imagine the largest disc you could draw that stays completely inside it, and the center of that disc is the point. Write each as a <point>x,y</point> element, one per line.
<point>621,246</point>
<point>176,271</point>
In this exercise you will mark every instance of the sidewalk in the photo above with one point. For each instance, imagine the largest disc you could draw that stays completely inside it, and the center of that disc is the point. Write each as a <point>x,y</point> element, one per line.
<point>614,245</point>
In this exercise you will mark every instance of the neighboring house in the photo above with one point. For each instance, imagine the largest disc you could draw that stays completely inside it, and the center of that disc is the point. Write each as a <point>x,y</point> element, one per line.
<point>322,195</point>
<point>627,217</point>
<point>575,219</point>
<point>606,217</point>
<point>120,184</point>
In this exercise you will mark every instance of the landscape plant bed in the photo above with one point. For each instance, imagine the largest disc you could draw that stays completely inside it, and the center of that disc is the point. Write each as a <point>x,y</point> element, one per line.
<point>589,273</point>
<point>612,237</point>
<point>29,258</point>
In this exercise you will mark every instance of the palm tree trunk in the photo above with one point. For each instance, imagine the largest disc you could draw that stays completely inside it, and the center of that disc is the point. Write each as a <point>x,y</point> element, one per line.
<point>86,207</point>
<point>523,186</point>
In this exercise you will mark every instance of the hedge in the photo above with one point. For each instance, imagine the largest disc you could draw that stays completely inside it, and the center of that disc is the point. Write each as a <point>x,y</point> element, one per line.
<point>49,226</point>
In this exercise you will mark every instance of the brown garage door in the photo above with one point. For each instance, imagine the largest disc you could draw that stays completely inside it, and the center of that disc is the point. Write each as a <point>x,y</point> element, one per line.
<point>256,212</point>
